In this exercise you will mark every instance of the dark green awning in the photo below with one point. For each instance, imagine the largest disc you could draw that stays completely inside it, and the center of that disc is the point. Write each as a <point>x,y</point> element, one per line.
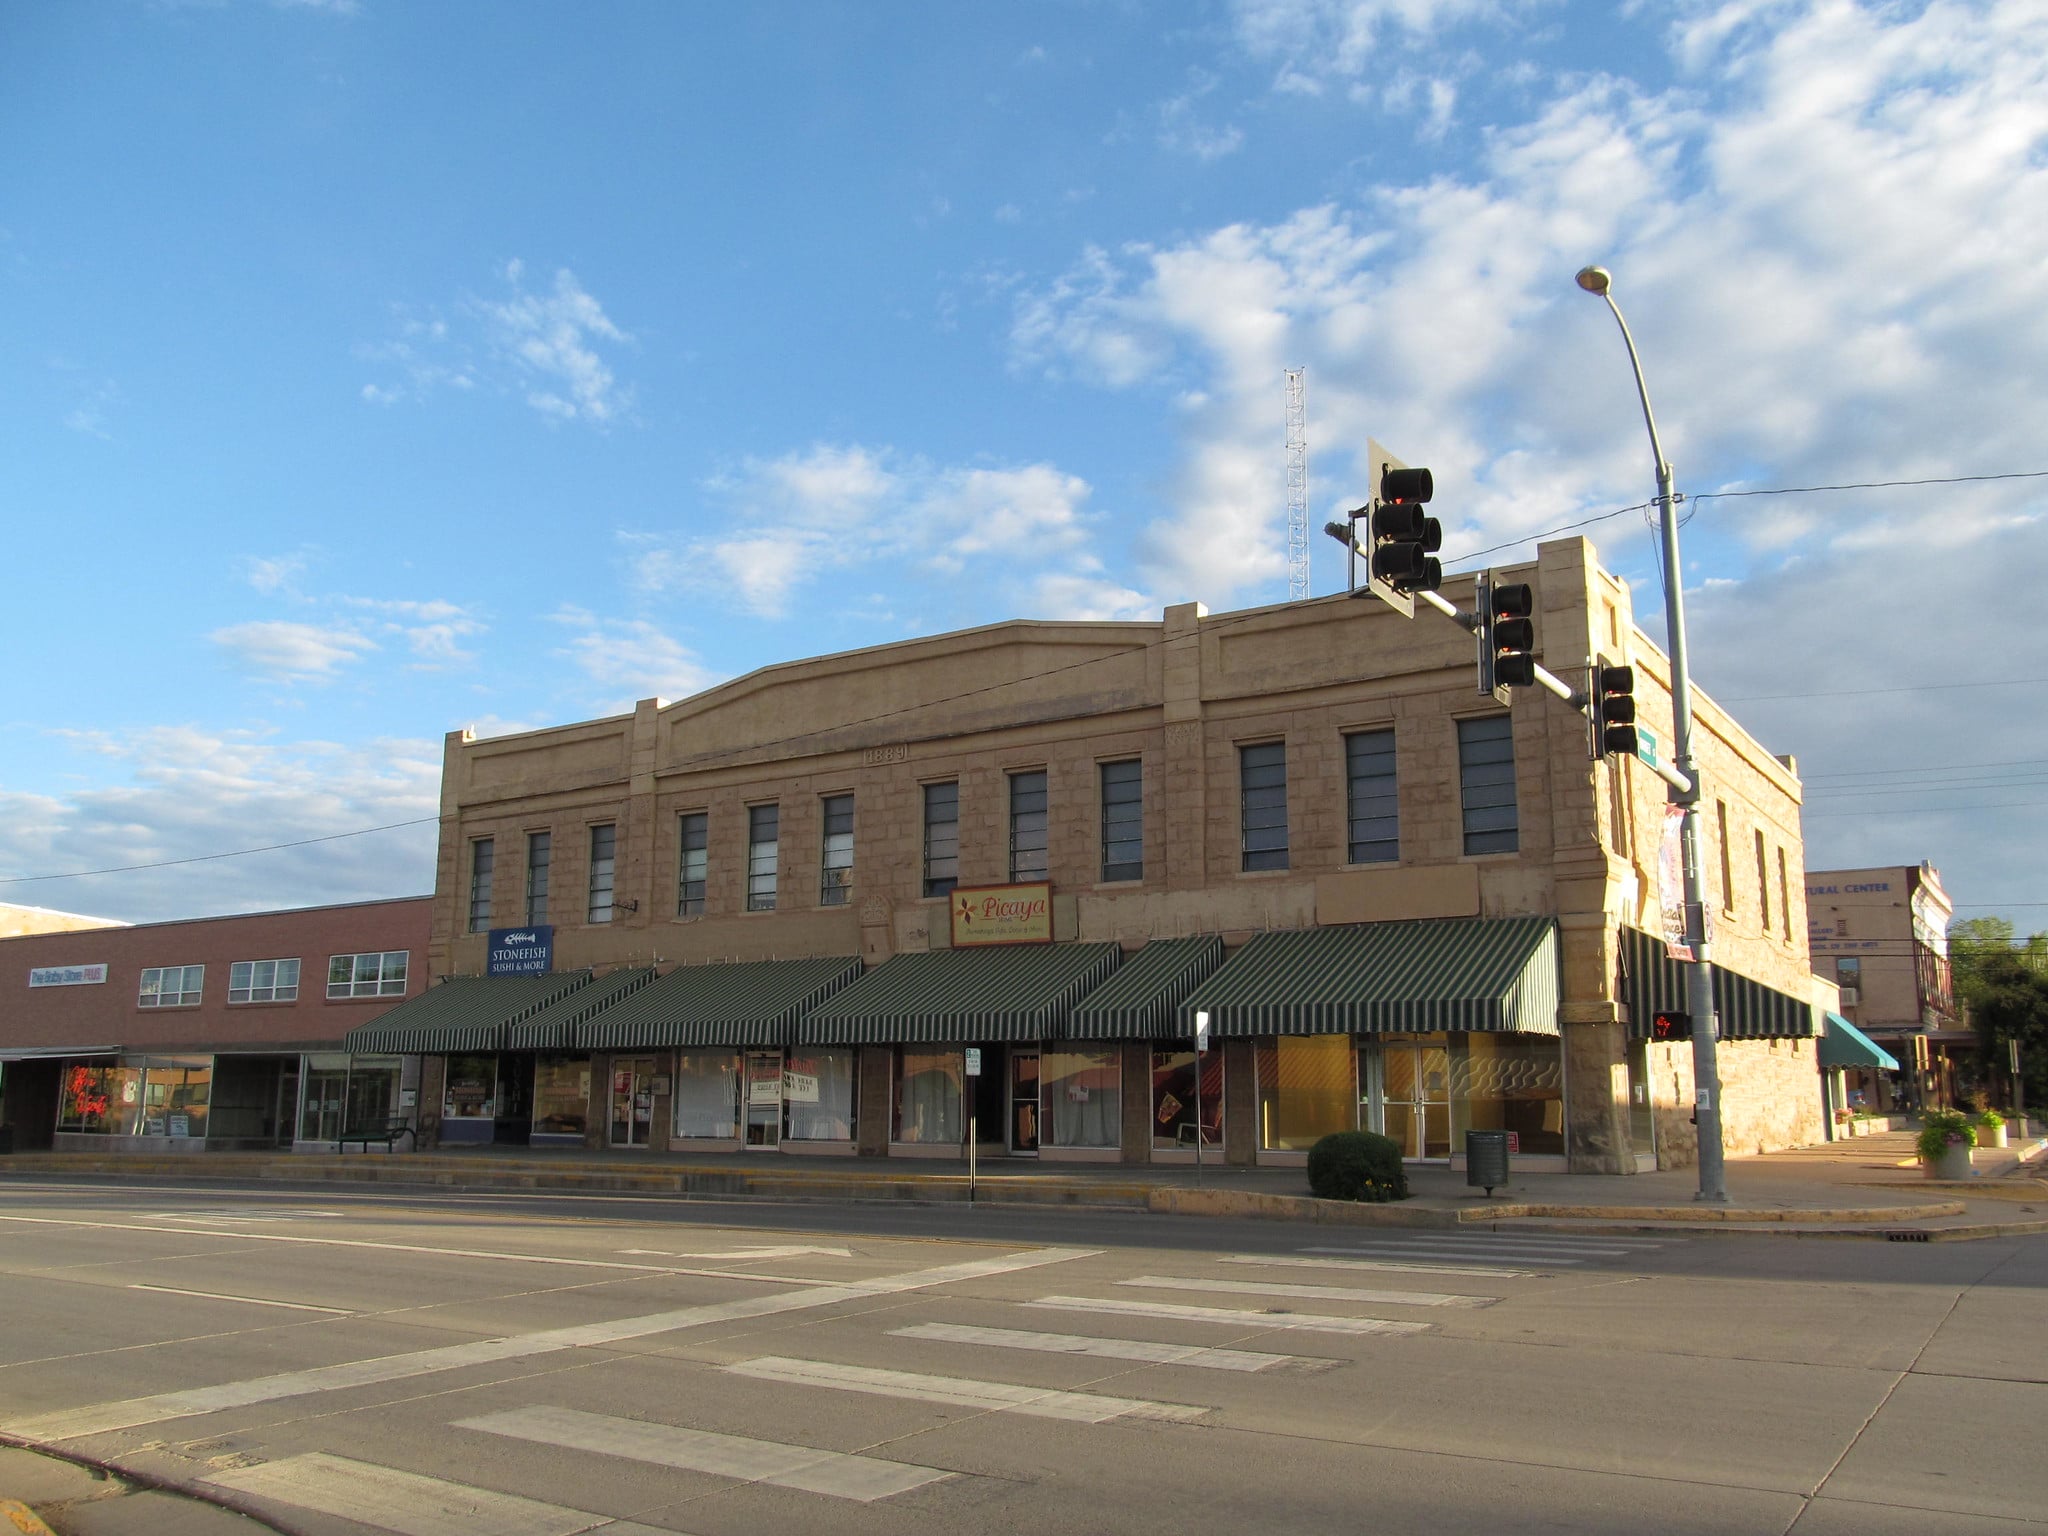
<point>1137,1003</point>
<point>960,996</point>
<point>1493,974</point>
<point>1653,983</point>
<point>753,1002</point>
<point>463,1013</point>
<point>1844,1045</point>
<point>557,1026</point>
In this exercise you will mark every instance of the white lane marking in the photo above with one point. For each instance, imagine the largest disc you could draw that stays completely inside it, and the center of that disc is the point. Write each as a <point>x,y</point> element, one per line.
<point>1506,1243</point>
<point>226,1213</point>
<point>409,1504</point>
<point>746,1253</point>
<point>1309,1292</point>
<point>956,1391</point>
<point>1108,1349</point>
<point>251,1301</point>
<point>1490,1271</point>
<point>835,1473</point>
<point>1314,1322</point>
<point>73,1423</point>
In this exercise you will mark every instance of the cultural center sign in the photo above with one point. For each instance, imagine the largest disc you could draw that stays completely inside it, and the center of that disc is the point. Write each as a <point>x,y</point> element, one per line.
<point>1002,914</point>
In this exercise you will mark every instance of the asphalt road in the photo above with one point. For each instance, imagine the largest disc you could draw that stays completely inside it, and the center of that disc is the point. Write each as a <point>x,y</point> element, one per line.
<point>533,1365</point>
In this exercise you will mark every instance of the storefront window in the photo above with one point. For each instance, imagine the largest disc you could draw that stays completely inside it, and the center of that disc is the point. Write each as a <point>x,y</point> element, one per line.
<point>818,1091</point>
<point>1509,1083</point>
<point>1306,1090</point>
<point>326,1080</point>
<point>176,1093</point>
<point>472,1088</point>
<point>561,1095</point>
<point>98,1096</point>
<point>928,1087</point>
<point>372,1092</point>
<point>1082,1091</point>
<point>707,1094</point>
<point>1173,1099</point>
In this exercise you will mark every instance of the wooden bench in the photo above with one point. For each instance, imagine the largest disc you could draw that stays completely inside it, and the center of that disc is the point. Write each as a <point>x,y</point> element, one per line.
<point>394,1126</point>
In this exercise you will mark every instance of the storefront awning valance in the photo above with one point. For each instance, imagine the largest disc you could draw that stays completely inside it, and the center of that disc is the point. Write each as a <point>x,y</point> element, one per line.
<point>463,1013</point>
<point>1498,975</point>
<point>1138,1001</point>
<point>1844,1045</point>
<point>961,996</point>
<point>557,1025</point>
<point>1653,983</point>
<point>43,1052</point>
<point>754,1002</point>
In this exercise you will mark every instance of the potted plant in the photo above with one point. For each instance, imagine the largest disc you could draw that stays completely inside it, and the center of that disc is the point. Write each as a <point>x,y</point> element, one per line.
<point>1946,1136</point>
<point>1990,1127</point>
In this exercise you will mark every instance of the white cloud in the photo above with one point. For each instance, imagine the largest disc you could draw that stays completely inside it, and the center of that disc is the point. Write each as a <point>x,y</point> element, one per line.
<point>1183,131</point>
<point>290,651</point>
<point>630,659</point>
<point>1317,43</point>
<point>272,574</point>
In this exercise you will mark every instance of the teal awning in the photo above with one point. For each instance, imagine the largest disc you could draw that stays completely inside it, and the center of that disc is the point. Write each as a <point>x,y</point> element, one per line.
<point>960,996</point>
<point>1844,1045</point>
<point>1498,975</point>
<point>463,1013</point>
<point>557,1026</point>
<point>1138,1001</point>
<point>1653,983</point>
<point>755,1002</point>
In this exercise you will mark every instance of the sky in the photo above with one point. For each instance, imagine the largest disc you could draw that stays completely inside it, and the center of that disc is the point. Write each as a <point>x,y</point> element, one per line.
<point>370,370</point>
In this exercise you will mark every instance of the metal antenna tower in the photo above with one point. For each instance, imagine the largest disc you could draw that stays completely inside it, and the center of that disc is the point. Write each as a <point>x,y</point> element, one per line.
<point>1297,485</point>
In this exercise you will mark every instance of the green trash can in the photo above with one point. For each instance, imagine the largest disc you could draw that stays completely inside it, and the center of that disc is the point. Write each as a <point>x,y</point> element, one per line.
<point>1486,1160</point>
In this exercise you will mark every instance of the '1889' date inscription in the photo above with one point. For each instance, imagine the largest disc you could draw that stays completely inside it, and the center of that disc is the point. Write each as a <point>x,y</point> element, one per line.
<point>891,754</point>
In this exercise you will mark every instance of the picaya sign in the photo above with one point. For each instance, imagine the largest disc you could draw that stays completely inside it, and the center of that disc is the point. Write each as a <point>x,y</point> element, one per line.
<point>1002,914</point>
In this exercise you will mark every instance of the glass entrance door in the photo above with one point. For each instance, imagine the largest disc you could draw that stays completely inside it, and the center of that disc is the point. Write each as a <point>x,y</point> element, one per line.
<point>1024,1101</point>
<point>764,1099</point>
<point>632,1100</point>
<point>1415,1096</point>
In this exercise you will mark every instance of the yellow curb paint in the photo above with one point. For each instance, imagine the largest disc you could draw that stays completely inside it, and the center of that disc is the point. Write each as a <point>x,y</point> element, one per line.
<point>23,1519</point>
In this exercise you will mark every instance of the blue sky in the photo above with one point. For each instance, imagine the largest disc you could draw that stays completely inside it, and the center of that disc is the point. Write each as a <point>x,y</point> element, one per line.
<point>370,370</point>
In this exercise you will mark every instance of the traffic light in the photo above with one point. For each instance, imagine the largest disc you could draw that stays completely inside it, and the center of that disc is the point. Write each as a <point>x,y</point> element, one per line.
<point>1402,539</point>
<point>1671,1027</point>
<point>1506,635</point>
<point>1611,711</point>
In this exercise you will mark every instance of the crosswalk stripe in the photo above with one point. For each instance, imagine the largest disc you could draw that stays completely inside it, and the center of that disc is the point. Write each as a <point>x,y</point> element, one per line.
<point>1313,1322</point>
<point>250,1301</point>
<point>1309,1292</point>
<point>995,1396</point>
<point>1108,1349</point>
<point>835,1473</point>
<point>1491,1271</point>
<point>409,1504</point>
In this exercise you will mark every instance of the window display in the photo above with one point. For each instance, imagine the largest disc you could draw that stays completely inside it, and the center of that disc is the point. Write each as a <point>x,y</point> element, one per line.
<point>1306,1090</point>
<point>928,1083</point>
<point>707,1094</point>
<point>561,1096</point>
<point>1082,1091</point>
<point>1173,1099</point>
<point>819,1093</point>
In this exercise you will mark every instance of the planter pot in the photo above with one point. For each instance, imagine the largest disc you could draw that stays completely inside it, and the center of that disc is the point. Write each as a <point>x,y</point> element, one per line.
<point>1952,1164</point>
<point>1991,1138</point>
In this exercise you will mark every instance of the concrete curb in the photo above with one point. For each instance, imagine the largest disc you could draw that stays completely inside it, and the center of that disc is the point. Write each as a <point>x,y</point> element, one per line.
<point>1252,1204</point>
<point>23,1519</point>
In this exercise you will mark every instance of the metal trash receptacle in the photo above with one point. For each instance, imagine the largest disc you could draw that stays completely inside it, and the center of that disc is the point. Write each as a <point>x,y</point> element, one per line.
<point>1486,1160</point>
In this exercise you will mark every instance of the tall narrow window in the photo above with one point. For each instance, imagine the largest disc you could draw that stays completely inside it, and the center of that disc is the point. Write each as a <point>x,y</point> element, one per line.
<point>695,838</point>
<point>764,832</point>
<point>1486,784</point>
<point>1763,885</point>
<point>1123,820</point>
<point>1727,862</point>
<point>482,858</point>
<point>604,847</point>
<point>1784,898</point>
<point>835,875</point>
<point>1375,808</point>
<point>941,838</point>
<point>1262,794</point>
<point>1027,826</point>
<point>539,850</point>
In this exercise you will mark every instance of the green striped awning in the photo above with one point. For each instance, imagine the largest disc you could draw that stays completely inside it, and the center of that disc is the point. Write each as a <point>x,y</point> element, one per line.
<point>463,1013</point>
<point>1137,1003</point>
<point>1016,992</point>
<point>1499,975</point>
<point>754,1002</point>
<point>1844,1045</point>
<point>557,1026</point>
<point>1653,983</point>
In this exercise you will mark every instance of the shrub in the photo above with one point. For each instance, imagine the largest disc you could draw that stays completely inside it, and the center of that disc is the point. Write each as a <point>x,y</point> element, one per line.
<point>1357,1165</point>
<point>1944,1128</point>
<point>1988,1119</point>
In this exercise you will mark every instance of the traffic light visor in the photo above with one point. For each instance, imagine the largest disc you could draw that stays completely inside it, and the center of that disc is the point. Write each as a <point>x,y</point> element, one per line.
<point>1406,485</point>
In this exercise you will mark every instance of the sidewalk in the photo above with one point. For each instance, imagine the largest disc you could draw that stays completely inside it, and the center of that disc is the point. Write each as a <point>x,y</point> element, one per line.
<point>1867,1187</point>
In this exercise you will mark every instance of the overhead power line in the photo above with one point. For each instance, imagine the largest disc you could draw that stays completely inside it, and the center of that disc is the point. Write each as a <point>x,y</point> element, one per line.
<point>203,858</point>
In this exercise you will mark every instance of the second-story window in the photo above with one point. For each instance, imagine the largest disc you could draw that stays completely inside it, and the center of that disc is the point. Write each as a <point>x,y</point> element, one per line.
<point>694,864</point>
<point>482,859</point>
<point>1374,804</point>
<point>1123,820</point>
<point>171,986</point>
<point>263,981</point>
<point>1027,826</point>
<point>604,849</point>
<point>1262,796</point>
<point>539,851</point>
<point>941,838</point>
<point>1486,784</point>
<point>835,874</point>
<point>380,973</point>
<point>1763,884</point>
<point>764,834</point>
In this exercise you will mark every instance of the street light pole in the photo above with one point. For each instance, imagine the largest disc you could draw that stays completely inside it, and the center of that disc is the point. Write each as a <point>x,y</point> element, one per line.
<point>1700,972</point>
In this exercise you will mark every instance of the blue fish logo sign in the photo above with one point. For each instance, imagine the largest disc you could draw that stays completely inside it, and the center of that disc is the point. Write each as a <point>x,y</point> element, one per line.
<point>521,951</point>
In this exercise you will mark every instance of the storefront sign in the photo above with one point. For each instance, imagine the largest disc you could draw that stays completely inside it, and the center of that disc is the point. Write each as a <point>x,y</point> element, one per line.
<point>800,1087</point>
<point>521,951</point>
<point>1002,914</point>
<point>67,975</point>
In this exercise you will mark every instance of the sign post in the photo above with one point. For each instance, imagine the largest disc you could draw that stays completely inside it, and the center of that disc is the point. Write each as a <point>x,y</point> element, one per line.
<point>1201,1050</point>
<point>973,1072</point>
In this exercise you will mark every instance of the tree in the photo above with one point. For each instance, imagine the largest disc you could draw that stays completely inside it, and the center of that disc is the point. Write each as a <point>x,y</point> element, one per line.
<point>2008,1000</point>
